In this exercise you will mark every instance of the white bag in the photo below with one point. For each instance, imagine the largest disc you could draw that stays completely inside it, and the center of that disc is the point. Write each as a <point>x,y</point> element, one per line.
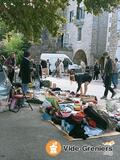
<point>46,104</point>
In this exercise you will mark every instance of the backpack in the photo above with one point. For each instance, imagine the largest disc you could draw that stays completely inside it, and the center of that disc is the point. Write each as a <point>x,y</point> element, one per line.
<point>102,119</point>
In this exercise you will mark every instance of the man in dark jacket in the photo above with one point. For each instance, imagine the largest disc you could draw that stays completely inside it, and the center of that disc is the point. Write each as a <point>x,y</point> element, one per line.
<point>80,79</point>
<point>66,65</point>
<point>96,70</point>
<point>108,78</point>
<point>25,71</point>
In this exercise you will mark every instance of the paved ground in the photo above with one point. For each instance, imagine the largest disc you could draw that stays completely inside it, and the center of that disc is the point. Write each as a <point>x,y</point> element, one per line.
<point>94,88</point>
<point>23,136</point>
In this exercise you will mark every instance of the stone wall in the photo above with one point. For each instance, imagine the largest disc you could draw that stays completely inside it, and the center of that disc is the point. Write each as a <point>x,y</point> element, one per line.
<point>36,51</point>
<point>94,33</point>
<point>93,39</point>
<point>72,29</point>
<point>99,35</point>
<point>113,36</point>
<point>68,53</point>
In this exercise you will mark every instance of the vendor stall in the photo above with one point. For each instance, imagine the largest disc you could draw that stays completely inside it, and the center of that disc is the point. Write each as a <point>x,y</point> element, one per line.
<point>77,116</point>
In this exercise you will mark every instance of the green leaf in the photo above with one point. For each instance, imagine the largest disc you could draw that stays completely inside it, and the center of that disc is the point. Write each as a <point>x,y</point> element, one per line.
<point>31,17</point>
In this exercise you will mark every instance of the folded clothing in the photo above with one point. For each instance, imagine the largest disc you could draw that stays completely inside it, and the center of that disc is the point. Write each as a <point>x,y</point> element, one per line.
<point>65,106</point>
<point>62,114</point>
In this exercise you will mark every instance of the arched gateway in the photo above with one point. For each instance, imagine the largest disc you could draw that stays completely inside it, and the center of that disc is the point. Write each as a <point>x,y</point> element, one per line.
<point>80,55</point>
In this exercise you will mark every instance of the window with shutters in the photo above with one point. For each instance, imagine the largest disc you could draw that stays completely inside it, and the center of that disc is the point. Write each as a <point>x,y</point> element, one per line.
<point>71,15</point>
<point>80,13</point>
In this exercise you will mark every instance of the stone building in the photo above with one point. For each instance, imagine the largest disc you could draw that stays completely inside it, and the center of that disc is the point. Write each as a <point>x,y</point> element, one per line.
<point>113,34</point>
<point>84,33</point>
<point>83,37</point>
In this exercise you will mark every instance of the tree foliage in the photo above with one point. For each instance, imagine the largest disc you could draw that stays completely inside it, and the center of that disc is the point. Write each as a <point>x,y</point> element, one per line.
<point>14,42</point>
<point>31,16</point>
<point>98,6</point>
<point>3,29</point>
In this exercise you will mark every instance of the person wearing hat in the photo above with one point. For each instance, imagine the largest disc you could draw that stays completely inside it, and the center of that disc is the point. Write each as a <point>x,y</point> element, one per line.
<point>83,78</point>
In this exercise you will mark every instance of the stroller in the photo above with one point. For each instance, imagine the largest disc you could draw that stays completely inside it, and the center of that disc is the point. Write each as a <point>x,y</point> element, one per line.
<point>17,98</point>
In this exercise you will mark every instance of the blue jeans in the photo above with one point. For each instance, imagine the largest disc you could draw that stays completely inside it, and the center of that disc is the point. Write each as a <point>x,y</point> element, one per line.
<point>115,79</point>
<point>25,88</point>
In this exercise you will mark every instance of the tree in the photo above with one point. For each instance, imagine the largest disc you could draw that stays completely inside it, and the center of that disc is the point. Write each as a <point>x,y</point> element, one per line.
<point>3,29</point>
<point>32,16</point>
<point>97,6</point>
<point>14,42</point>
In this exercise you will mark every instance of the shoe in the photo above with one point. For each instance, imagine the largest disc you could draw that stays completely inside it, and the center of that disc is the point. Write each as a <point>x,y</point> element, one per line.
<point>103,97</point>
<point>113,94</point>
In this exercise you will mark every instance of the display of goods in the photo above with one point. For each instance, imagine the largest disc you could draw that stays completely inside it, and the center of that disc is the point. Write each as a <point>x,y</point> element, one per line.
<point>53,100</point>
<point>113,106</point>
<point>45,83</point>
<point>93,114</point>
<point>77,107</point>
<point>89,98</point>
<point>30,85</point>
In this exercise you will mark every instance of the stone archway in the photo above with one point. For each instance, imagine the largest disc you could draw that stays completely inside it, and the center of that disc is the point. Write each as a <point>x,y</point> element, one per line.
<point>80,55</point>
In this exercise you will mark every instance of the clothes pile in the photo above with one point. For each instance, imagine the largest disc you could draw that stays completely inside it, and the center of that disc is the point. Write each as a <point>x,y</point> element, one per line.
<point>77,115</point>
<point>113,109</point>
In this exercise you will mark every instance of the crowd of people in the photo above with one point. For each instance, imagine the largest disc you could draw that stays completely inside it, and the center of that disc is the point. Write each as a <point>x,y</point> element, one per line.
<point>29,70</point>
<point>109,75</point>
<point>61,67</point>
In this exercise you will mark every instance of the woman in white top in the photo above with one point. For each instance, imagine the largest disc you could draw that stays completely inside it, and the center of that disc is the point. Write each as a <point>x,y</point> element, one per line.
<point>61,68</point>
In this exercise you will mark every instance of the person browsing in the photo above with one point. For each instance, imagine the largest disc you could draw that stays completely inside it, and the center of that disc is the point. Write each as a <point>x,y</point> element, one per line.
<point>83,78</point>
